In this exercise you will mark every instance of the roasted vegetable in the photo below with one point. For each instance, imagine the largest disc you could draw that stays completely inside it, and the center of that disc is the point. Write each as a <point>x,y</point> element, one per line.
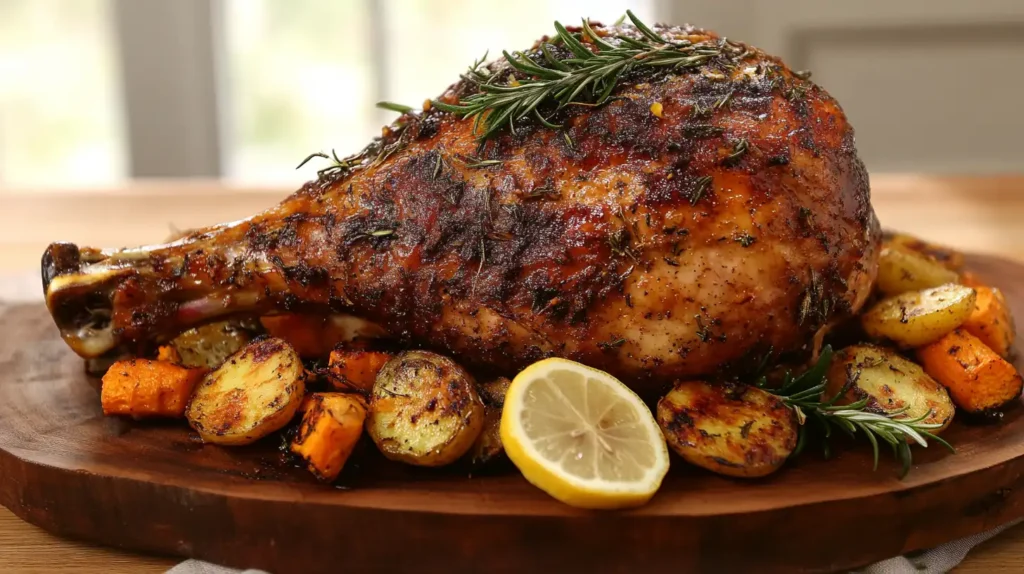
<point>424,409</point>
<point>901,270</point>
<point>168,354</point>
<point>889,383</point>
<point>731,429</point>
<point>947,256</point>
<point>355,369</point>
<point>971,280</point>
<point>978,379</point>
<point>920,317</point>
<point>487,446</point>
<point>254,393</point>
<point>991,320</point>
<point>209,345</point>
<point>142,388</point>
<point>314,336</point>
<point>493,392</point>
<point>330,429</point>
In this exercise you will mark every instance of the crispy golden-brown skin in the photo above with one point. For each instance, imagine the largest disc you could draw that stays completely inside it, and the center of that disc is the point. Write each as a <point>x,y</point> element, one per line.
<point>645,246</point>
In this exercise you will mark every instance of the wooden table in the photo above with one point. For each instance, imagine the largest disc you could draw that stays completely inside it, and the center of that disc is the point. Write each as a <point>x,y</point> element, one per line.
<point>981,214</point>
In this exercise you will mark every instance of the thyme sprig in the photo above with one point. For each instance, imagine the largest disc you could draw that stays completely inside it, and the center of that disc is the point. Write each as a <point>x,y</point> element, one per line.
<point>587,77</point>
<point>804,395</point>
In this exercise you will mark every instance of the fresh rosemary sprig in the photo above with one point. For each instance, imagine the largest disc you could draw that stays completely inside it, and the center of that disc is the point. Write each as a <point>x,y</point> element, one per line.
<point>392,106</point>
<point>585,78</point>
<point>804,395</point>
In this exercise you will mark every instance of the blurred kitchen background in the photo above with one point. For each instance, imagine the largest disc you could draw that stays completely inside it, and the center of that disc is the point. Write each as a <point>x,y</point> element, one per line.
<point>130,99</point>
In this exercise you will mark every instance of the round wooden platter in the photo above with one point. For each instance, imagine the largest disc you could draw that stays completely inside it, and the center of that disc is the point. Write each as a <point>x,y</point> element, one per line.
<point>155,488</point>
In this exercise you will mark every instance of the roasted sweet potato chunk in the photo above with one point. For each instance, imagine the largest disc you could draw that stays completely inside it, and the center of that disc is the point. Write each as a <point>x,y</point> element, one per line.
<point>355,369</point>
<point>330,429</point>
<point>142,388</point>
<point>991,320</point>
<point>978,379</point>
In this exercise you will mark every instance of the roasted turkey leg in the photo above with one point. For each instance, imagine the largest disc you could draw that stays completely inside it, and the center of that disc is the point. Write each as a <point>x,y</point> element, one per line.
<point>697,220</point>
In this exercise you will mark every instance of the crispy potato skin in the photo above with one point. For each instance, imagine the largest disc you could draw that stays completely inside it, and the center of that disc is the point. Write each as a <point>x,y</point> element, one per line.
<point>889,383</point>
<point>978,379</point>
<point>901,270</point>
<point>141,388</point>
<point>917,318</point>
<point>210,345</point>
<point>254,393</point>
<point>493,392</point>
<point>424,410</point>
<point>488,446</point>
<point>947,256</point>
<point>730,429</point>
<point>355,369</point>
<point>330,429</point>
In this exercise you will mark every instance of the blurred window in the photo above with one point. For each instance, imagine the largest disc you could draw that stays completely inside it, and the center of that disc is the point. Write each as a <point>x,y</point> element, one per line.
<point>304,77</point>
<point>294,78</point>
<point>59,94</point>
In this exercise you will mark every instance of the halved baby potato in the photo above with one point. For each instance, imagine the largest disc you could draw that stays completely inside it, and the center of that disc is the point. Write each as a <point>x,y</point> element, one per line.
<point>488,446</point>
<point>920,317</point>
<point>493,392</point>
<point>255,392</point>
<point>901,270</point>
<point>210,345</point>
<point>947,256</point>
<point>890,383</point>
<point>424,410</point>
<point>731,429</point>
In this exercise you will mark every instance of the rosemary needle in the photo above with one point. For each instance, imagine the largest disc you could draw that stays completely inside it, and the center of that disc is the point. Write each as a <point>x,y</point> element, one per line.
<point>400,108</point>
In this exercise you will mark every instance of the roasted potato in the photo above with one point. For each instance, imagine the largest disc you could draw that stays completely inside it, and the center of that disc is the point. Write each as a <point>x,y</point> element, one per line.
<point>731,429</point>
<point>992,321</point>
<point>355,369</point>
<point>210,345</point>
<point>947,256</point>
<point>919,317</point>
<point>978,379</point>
<point>889,383</point>
<point>487,446</point>
<point>901,270</point>
<point>254,393</point>
<point>424,410</point>
<point>330,429</point>
<point>493,392</point>
<point>141,388</point>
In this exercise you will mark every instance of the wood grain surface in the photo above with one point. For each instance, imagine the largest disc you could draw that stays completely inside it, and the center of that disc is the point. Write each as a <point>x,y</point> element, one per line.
<point>155,488</point>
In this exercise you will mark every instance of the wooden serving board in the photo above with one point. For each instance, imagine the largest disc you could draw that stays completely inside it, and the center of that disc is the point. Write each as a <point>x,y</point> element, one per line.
<point>155,488</point>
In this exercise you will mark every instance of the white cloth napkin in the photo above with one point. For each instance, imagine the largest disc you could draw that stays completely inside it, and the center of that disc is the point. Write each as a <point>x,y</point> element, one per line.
<point>938,560</point>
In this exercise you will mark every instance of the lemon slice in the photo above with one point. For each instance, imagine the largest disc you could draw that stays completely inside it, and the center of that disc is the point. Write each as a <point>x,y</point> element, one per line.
<point>582,436</point>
